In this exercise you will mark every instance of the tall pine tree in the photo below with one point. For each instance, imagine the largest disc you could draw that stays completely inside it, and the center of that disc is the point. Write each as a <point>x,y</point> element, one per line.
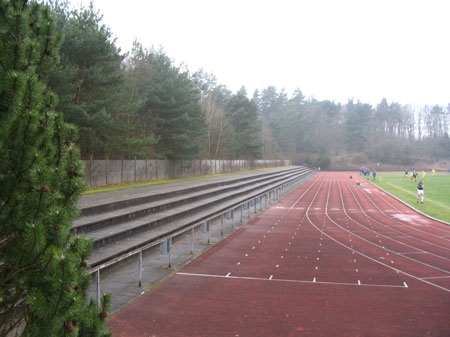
<point>171,109</point>
<point>244,133</point>
<point>43,274</point>
<point>92,90</point>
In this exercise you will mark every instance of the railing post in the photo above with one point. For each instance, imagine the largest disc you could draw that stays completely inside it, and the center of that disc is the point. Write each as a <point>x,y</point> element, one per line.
<point>192,240</point>
<point>165,248</point>
<point>169,249</point>
<point>140,269</point>
<point>97,274</point>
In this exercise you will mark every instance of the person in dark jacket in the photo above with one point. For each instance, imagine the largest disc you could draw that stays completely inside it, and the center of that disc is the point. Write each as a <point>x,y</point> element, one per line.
<point>420,193</point>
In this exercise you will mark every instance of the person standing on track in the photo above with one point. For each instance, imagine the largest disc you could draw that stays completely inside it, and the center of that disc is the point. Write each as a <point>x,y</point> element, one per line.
<point>420,191</point>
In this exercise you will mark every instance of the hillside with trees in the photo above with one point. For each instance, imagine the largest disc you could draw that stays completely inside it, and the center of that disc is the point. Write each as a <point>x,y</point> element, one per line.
<point>141,104</point>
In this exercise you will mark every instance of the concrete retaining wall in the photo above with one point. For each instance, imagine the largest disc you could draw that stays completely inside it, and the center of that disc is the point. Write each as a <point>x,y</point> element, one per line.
<point>106,172</point>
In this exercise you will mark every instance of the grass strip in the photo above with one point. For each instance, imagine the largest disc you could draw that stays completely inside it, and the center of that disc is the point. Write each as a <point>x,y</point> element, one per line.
<point>436,188</point>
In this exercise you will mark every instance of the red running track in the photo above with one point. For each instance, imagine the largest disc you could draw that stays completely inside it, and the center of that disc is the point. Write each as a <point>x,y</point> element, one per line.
<point>330,259</point>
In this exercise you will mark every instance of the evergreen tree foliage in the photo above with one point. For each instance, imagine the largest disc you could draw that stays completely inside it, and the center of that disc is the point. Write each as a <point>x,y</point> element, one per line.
<point>244,133</point>
<point>94,92</point>
<point>272,109</point>
<point>357,128</point>
<point>171,105</point>
<point>145,106</point>
<point>43,274</point>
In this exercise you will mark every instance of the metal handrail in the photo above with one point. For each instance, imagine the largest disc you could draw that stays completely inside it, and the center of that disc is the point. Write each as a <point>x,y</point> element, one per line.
<point>167,239</point>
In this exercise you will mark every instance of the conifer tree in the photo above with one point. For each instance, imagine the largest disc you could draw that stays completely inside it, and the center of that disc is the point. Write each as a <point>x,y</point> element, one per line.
<point>43,269</point>
<point>171,107</point>
<point>244,133</point>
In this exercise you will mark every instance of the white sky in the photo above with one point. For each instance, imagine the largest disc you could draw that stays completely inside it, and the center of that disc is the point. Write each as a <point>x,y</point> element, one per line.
<point>330,49</point>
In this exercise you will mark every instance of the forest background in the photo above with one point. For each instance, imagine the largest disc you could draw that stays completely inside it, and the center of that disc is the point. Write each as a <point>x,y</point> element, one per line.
<point>140,104</point>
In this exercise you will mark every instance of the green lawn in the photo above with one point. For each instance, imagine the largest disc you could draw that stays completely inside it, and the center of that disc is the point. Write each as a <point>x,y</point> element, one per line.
<point>436,188</point>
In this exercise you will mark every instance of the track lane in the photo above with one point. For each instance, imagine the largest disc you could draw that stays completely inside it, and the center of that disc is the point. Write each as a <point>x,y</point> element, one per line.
<point>333,221</point>
<point>400,214</point>
<point>310,265</point>
<point>422,257</point>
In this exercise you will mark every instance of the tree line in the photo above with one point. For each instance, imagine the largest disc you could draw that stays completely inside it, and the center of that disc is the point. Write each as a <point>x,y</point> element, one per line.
<point>142,104</point>
<point>323,132</point>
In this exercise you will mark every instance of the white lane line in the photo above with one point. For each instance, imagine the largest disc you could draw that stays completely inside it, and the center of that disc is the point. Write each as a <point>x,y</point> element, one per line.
<point>435,277</point>
<point>294,281</point>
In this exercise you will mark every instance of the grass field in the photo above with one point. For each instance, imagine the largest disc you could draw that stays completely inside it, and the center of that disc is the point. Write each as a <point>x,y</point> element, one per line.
<point>436,188</point>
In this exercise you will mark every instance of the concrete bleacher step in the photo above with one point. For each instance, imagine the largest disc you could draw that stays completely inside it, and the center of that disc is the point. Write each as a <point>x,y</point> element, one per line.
<point>125,245</point>
<point>106,235</point>
<point>152,204</point>
<point>118,231</point>
<point>97,220</point>
<point>107,205</point>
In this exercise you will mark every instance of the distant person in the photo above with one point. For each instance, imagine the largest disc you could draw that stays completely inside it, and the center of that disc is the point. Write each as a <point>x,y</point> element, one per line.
<point>420,191</point>
<point>433,172</point>
<point>374,174</point>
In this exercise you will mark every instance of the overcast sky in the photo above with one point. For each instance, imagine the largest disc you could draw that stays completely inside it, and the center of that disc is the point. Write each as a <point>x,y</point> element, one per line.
<point>329,49</point>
